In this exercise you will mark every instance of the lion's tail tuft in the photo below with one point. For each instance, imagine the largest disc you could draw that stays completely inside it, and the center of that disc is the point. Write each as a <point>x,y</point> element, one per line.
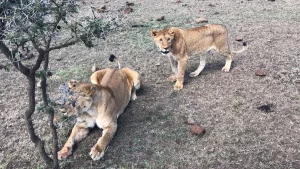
<point>245,47</point>
<point>113,58</point>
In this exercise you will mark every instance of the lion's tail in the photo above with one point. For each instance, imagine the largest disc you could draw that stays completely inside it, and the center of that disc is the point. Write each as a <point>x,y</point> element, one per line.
<point>113,58</point>
<point>245,47</point>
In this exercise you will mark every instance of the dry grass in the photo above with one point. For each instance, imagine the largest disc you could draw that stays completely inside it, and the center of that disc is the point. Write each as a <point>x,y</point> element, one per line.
<point>152,132</point>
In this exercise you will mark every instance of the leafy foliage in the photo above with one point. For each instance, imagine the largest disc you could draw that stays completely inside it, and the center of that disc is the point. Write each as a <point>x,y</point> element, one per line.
<point>46,25</point>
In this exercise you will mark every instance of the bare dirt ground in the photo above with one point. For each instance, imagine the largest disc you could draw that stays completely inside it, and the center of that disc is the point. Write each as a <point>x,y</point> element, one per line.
<point>152,132</point>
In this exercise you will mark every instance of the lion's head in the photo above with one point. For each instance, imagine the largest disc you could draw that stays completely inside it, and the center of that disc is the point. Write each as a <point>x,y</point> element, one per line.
<point>83,104</point>
<point>164,39</point>
<point>85,89</point>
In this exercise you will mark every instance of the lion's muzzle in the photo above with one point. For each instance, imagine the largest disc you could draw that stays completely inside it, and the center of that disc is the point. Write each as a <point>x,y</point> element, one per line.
<point>165,51</point>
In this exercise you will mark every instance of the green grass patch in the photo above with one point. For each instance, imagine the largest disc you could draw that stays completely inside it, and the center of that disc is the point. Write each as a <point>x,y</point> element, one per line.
<point>75,72</point>
<point>4,165</point>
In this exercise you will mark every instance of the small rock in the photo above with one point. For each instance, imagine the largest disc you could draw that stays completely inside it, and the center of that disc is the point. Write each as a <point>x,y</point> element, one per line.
<point>94,68</point>
<point>157,64</point>
<point>1,66</point>
<point>265,108</point>
<point>216,13</point>
<point>244,43</point>
<point>160,18</point>
<point>177,1</point>
<point>271,0</point>
<point>197,130</point>
<point>128,10</point>
<point>211,5</point>
<point>239,39</point>
<point>190,121</point>
<point>201,20</point>
<point>260,72</point>
<point>184,4</point>
<point>129,3</point>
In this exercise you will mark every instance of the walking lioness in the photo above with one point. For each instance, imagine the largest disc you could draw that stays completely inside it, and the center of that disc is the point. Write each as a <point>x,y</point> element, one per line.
<point>179,44</point>
<point>100,103</point>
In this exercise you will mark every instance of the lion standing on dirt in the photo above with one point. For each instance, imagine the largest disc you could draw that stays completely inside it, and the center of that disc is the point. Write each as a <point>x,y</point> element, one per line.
<point>179,44</point>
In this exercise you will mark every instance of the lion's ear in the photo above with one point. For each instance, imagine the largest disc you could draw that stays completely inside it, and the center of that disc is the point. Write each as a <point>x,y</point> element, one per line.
<point>154,33</point>
<point>172,31</point>
<point>72,83</point>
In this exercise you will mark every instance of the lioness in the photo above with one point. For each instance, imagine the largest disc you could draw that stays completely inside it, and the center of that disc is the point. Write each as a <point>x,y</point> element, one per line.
<point>178,44</point>
<point>100,103</point>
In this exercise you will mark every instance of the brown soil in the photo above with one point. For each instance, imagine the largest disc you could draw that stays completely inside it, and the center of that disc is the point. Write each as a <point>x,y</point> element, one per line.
<point>250,121</point>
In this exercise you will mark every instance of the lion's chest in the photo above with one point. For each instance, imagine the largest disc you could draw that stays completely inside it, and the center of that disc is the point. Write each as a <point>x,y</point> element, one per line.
<point>99,124</point>
<point>172,56</point>
<point>103,121</point>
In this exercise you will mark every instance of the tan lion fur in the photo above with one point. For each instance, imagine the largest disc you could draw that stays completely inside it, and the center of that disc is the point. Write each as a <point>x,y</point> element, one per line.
<point>100,103</point>
<point>179,44</point>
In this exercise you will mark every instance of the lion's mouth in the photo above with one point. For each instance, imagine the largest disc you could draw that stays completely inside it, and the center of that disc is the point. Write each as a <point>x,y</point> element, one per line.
<point>165,52</point>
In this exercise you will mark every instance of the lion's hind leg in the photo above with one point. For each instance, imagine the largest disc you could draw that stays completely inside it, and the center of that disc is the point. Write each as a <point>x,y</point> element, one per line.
<point>97,76</point>
<point>134,78</point>
<point>228,55</point>
<point>200,68</point>
<point>221,45</point>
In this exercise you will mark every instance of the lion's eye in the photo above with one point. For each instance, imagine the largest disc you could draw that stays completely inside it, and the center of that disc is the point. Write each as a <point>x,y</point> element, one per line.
<point>160,40</point>
<point>168,39</point>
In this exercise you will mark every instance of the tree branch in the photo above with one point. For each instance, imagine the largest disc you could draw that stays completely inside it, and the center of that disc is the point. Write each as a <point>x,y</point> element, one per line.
<point>49,110</point>
<point>63,45</point>
<point>35,45</point>
<point>53,30</point>
<point>31,107</point>
<point>8,54</point>
<point>38,63</point>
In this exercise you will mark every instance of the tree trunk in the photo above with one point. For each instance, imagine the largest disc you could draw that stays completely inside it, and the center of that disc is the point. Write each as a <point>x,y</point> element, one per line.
<point>50,111</point>
<point>30,110</point>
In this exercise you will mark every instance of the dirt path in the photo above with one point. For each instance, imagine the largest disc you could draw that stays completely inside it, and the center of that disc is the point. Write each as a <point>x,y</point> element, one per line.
<point>152,132</point>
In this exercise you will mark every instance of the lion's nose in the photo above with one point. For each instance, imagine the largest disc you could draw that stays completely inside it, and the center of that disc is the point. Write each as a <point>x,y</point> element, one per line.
<point>165,48</point>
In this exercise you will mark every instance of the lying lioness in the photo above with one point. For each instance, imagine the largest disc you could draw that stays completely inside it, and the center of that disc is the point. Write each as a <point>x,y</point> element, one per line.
<point>100,103</point>
<point>178,44</point>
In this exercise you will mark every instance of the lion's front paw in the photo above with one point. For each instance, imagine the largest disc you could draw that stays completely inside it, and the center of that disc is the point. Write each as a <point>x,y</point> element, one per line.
<point>178,86</point>
<point>172,78</point>
<point>64,153</point>
<point>97,152</point>
<point>225,69</point>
